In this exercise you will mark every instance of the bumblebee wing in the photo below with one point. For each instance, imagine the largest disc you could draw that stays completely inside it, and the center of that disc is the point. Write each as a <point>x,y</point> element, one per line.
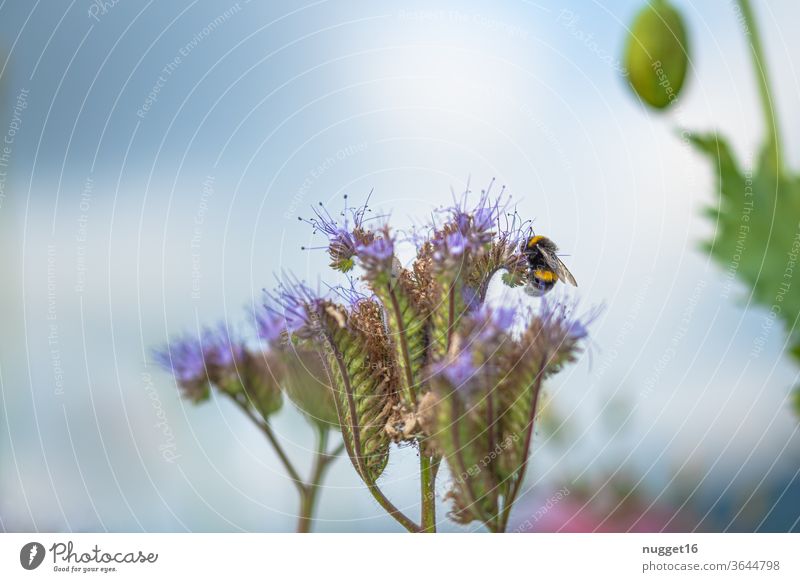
<point>560,269</point>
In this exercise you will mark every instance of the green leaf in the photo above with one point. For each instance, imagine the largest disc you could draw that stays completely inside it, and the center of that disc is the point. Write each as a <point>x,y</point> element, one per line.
<point>757,229</point>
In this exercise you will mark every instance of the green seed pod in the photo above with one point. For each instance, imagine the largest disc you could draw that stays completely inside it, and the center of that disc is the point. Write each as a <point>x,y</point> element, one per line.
<point>259,380</point>
<point>459,429</point>
<point>656,55</point>
<point>306,384</point>
<point>359,361</point>
<point>195,390</point>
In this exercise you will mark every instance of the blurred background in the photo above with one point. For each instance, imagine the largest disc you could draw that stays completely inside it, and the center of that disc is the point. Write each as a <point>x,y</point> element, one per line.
<point>157,156</point>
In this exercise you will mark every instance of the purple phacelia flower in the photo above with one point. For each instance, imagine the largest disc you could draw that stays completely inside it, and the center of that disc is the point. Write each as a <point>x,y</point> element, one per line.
<point>295,304</point>
<point>195,361</point>
<point>491,323</point>
<point>471,298</point>
<point>343,238</point>
<point>184,359</point>
<point>270,325</point>
<point>456,244</point>
<point>380,249</point>
<point>221,351</point>
<point>459,370</point>
<point>484,218</point>
<point>577,330</point>
<point>352,294</point>
<point>376,256</point>
<point>467,229</point>
<point>503,318</point>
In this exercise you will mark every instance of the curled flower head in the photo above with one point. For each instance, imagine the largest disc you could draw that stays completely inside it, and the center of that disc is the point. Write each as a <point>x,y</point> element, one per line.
<point>489,325</point>
<point>476,224</point>
<point>197,361</point>
<point>270,325</point>
<point>380,249</point>
<point>482,405</point>
<point>293,307</point>
<point>221,350</point>
<point>184,359</point>
<point>344,237</point>
<point>467,232</point>
<point>484,218</point>
<point>352,294</point>
<point>376,255</point>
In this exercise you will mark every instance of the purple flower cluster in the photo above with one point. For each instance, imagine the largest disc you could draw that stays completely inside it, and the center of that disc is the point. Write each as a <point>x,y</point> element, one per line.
<point>184,359</point>
<point>468,229</point>
<point>459,370</point>
<point>195,361</point>
<point>377,255</point>
<point>221,350</point>
<point>290,309</point>
<point>342,241</point>
<point>488,327</point>
<point>476,225</point>
<point>562,316</point>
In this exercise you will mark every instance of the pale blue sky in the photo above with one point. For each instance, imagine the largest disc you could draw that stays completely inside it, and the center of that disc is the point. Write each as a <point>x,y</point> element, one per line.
<point>284,104</point>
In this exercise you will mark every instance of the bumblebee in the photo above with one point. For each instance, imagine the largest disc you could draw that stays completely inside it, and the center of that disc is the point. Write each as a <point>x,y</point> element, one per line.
<point>545,266</point>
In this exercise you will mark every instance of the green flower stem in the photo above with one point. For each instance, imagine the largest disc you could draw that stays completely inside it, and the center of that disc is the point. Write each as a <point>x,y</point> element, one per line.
<point>512,496</point>
<point>308,499</point>
<point>451,314</point>
<point>428,491</point>
<point>273,440</point>
<point>461,466</point>
<point>400,339</point>
<point>322,461</point>
<point>354,449</point>
<point>308,491</point>
<point>760,66</point>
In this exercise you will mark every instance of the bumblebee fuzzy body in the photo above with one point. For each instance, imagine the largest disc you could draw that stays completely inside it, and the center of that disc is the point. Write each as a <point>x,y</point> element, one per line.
<point>545,266</point>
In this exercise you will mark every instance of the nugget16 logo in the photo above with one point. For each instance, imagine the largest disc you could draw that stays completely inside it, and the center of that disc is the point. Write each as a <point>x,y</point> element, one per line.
<point>31,555</point>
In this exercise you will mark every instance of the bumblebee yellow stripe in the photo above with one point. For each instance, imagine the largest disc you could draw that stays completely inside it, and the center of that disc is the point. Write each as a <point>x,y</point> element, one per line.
<point>533,240</point>
<point>545,275</point>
